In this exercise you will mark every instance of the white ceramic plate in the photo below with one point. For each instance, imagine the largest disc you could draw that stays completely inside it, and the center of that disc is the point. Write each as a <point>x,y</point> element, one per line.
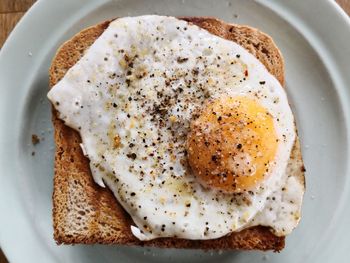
<point>314,37</point>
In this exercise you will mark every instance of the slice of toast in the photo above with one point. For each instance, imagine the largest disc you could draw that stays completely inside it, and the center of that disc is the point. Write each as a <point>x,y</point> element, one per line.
<point>83,212</point>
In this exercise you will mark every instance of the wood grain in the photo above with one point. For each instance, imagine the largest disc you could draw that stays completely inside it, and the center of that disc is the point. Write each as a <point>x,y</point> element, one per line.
<point>11,6</point>
<point>2,257</point>
<point>7,23</point>
<point>345,4</point>
<point>11,12</point>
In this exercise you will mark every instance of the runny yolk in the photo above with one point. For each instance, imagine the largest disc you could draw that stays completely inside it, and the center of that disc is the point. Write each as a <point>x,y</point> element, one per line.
<point>232,144</point>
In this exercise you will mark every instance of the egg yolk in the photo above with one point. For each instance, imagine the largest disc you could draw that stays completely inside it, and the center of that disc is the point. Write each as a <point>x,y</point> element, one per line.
<point>232,144</point>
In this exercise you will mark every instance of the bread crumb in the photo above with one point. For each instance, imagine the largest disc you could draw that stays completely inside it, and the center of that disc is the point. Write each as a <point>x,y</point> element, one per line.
<point>35,139</point>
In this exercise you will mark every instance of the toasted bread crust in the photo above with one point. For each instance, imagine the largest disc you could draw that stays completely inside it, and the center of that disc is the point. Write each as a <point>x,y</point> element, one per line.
<point>83,212</point>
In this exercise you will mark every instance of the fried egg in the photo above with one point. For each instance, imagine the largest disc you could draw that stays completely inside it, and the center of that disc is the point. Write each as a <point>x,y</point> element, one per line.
<point>190,131</point>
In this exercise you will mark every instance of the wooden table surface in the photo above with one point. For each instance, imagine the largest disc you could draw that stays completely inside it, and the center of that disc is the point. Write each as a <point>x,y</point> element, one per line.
<point>11,12</point>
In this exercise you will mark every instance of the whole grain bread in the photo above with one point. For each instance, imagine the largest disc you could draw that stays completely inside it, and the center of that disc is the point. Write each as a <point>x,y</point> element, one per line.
<point>83,212</point>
